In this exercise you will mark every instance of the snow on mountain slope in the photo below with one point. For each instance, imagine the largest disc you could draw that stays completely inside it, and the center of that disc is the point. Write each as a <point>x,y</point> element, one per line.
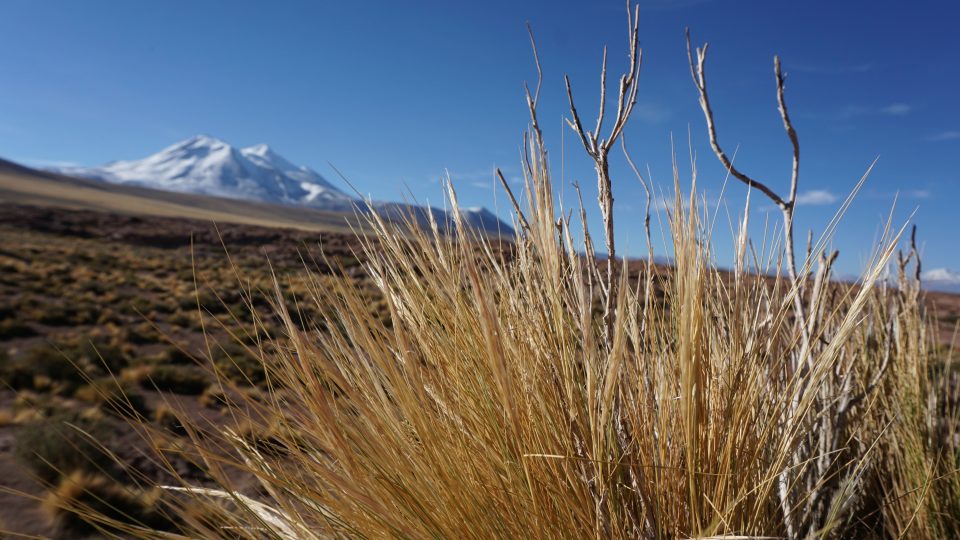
<point>209,166</point>
<point>941,279</point>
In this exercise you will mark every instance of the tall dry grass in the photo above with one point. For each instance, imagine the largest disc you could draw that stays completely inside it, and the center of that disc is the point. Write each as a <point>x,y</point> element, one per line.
<point>500,401</point>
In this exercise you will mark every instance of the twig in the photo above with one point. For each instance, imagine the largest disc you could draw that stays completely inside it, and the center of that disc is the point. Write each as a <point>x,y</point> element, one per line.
<point>787,206</point>
<point>513,201</point>
<point>599,148</point>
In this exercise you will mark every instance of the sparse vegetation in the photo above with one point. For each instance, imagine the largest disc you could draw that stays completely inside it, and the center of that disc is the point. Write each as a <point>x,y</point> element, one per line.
<point>188,380</point>
<point>90,320</point>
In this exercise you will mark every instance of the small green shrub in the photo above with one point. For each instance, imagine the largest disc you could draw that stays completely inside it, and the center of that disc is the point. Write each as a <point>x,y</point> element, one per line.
<point>64,443</point>
<point>187,380</point>
<point>43,360</point>
<point>101,352</point>
<point>176,355</point>
<point>114,397</point>
<point>12,328</point>
<point>143,334</point>
<point>234,362</point>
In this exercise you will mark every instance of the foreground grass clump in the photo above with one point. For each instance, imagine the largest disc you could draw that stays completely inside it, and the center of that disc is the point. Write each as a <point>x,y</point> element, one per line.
<point>496,405</point>
<point>522,391</point>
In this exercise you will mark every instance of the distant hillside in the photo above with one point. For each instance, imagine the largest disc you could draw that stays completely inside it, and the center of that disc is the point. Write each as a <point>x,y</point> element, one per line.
<point>204,165</point>
<point>24,185</point>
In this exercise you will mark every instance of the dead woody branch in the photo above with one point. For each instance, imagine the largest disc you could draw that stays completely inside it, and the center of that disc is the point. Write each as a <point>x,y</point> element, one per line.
<point>811,484</point>
<point>598,148</point>
<point>787,205</point>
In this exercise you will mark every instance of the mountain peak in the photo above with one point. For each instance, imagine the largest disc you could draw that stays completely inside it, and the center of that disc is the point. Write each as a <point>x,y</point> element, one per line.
<point>209,166</point>
<point>259,150</point>
<point>200,141</point>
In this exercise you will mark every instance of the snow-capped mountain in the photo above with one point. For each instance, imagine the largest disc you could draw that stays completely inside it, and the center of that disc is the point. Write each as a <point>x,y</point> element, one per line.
<point>209,166</point>
<point>941,279</point>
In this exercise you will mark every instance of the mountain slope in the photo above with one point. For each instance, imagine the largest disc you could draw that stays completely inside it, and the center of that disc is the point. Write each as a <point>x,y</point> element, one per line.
<point>209,166</point>
<point>23,185</point>
<point>941,279</point>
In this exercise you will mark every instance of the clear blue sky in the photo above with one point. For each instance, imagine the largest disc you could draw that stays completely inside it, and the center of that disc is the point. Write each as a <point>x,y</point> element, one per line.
<point>393,93</point>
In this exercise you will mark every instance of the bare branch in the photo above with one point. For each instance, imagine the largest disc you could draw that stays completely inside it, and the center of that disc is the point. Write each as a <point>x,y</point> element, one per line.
<point>628,82</point>
<point>587,241</point>
<point>646,190</point>
<point>847,405</point>
<point>603,96</point>
<point>536,58</point>
<point>788,126</point>
<point>913,247</point>
<point>598,149</point>
<point>576,125</point>
<point>697,71</point>
<point>533,101</point>
<point>513,201</point>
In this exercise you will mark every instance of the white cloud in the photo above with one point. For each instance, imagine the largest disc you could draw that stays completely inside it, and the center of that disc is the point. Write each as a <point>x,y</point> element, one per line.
<point>942,275</point>
<point>919,193</point>
<point>816,197</point>
<point>896,109</point>
<point>946,136</point>
<point>858,111</point>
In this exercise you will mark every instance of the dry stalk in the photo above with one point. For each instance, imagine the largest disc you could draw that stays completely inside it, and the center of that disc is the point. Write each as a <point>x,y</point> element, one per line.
<point>598,148</point>
<point>786,205</point>
<point>810,485</point>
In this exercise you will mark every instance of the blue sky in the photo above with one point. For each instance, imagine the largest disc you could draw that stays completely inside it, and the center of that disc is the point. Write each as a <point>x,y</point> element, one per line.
<point>394,93</point>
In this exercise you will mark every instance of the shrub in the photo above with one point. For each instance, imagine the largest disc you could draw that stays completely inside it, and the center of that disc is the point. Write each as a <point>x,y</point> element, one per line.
<point>87,503</point>
<point>176,355</point>
<point>16,374</point>
<point>54,315</point>
<point>101,352</point>
<point>42,360</point>
<point>115,397</point>
<point>184,318</point>
<point>177,379</point>
<point>234,362</point>
<point>213,397</point>
<point>64,443</point>
<point>12,328</point>
<point>143,334</point>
